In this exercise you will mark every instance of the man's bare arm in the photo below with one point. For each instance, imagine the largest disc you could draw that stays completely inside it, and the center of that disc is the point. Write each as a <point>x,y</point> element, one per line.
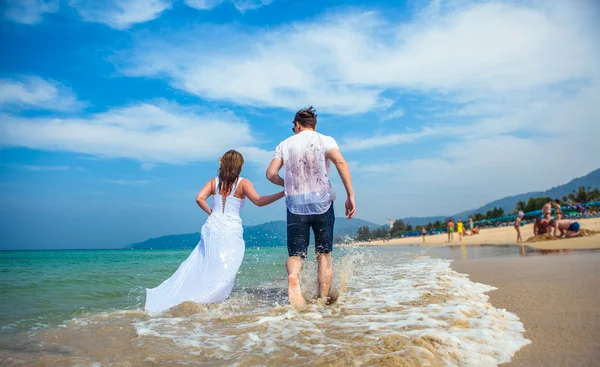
<point>344,171</point>
<point>342,167</point>
<point>273,171</point>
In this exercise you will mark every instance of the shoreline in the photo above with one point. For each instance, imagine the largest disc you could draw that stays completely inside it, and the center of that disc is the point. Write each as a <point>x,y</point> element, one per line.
<point>502,236</point>
<point>556,298</point>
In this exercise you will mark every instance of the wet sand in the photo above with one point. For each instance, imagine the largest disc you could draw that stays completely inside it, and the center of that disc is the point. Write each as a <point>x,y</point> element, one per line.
<point>556,296</point>
<point>504,235</point>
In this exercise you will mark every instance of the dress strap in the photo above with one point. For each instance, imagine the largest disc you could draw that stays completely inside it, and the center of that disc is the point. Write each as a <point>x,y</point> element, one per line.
<point>235,186</point>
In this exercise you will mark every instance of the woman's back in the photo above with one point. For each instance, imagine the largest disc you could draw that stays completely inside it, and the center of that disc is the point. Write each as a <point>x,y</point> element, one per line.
<point>228,203</point>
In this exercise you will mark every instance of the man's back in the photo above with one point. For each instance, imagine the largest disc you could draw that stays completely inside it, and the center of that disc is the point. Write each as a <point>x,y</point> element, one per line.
<point>565,223</point>
<point>547,208</point>
<point>307,187</point>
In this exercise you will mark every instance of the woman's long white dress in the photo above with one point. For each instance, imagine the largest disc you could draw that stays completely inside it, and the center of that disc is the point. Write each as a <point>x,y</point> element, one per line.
<point>208,274</point>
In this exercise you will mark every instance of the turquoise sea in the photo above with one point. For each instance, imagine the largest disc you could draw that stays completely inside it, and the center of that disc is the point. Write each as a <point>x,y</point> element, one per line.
<point>46,288</point>
<point>63,308</point>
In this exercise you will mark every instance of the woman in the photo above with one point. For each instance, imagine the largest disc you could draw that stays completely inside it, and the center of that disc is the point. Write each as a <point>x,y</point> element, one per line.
<point>208,274</point>
<point>518,226</point>
<point>557,210</point>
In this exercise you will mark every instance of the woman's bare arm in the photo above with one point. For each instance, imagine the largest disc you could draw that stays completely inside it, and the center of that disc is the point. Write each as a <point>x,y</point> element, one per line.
<point>204,194</point>
<point>255,198</point>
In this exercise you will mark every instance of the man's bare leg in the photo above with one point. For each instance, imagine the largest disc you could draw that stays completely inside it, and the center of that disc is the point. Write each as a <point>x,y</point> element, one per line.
<point>293,266</point>
<point>571,234</point>
<point>325,274</point>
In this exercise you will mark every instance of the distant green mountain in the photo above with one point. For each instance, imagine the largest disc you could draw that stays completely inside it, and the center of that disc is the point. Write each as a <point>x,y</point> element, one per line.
<point>508,203</point>
<point>268,234</point>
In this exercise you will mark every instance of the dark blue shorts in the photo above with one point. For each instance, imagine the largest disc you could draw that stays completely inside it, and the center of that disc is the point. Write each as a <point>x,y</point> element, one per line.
<point>298,232</point>
<point>574,227</point>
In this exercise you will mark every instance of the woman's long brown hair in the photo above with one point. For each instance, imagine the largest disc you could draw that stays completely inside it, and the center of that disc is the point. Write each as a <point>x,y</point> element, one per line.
<point>229,172</point>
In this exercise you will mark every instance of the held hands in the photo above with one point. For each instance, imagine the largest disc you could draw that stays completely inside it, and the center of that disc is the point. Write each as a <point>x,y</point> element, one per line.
<point>350,207</point>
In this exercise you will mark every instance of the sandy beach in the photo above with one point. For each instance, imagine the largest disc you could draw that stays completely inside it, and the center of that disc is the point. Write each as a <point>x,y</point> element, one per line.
<point>555,296</point>
<point>506,235</point>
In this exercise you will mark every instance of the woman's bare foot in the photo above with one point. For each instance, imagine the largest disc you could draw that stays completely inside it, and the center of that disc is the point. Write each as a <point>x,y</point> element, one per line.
<point>295,293</point>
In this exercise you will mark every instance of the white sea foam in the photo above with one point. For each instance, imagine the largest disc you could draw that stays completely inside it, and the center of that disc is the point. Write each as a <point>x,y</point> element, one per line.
<point>421,300</point>
<point>403,307</point>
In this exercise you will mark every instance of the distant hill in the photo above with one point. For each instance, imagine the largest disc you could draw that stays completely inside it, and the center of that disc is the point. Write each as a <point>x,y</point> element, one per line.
<point>508,203</point>
<point>268,234</point>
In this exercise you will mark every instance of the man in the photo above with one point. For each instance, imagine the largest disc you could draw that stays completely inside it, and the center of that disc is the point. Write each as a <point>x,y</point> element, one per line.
<point>547,210</point>
<point>540,226</point>
<point>571,227</point>
<point>306,157</point>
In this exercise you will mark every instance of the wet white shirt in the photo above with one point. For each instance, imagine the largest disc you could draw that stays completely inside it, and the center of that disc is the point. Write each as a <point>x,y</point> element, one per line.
<point>307,187</point>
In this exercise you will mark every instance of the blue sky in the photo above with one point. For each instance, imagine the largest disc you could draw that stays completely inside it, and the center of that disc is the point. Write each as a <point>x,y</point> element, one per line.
<point>112,117</point>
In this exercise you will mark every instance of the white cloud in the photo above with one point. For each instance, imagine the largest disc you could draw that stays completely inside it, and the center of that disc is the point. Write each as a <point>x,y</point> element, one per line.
<point>120,14</point>
<point>147,166</point>
<point>28,11</point>
<point>394,114</point>
<point>343,63</point>
<point>534,147</point>
<point>32,92</point>
<point>117,14</point>
<point>150,133</point>
<point>362,143</point>
<point>42,168</point>
<point>513,86</point>
<point>241,5</point>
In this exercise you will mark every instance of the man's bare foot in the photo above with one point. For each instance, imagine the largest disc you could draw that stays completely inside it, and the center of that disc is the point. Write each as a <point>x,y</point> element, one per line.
<point>333,297</point>
<point>295,293</point>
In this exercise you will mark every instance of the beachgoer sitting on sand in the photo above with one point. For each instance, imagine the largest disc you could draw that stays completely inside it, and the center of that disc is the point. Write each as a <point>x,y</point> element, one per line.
<point>547,210</point>
<point>475,230</point>
<point>518,226</point>
<point>571,227</point>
